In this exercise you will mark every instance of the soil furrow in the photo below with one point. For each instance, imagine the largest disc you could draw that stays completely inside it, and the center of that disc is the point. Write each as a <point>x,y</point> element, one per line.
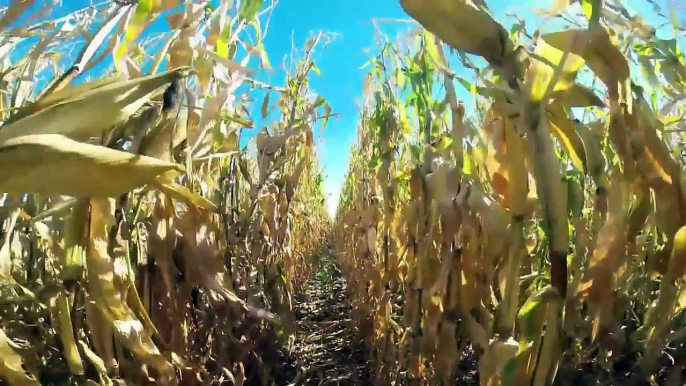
<point>323,351</point>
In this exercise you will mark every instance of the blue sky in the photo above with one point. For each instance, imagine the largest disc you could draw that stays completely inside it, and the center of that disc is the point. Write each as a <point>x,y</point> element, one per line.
<point>341,78</point>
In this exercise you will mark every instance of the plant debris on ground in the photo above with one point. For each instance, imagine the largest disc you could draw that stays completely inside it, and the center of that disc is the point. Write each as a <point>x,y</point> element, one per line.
<point>324,350</point>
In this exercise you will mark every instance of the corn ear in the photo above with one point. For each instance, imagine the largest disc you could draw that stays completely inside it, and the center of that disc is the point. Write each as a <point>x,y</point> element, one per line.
<point>89,113</point>
<point>53,164</point>
<point>462,24</point>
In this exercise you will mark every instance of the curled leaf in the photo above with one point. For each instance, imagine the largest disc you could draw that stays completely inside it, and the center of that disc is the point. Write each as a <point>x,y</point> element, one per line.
<point>565,131</point>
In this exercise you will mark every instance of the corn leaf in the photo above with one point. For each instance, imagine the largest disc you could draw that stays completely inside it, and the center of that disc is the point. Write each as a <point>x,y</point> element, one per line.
<point>599,48</point>
<point>249,9</point>
<point>551,68</point>
<point>565,131</point>
<point>141,14</point>
<point>11,369</point>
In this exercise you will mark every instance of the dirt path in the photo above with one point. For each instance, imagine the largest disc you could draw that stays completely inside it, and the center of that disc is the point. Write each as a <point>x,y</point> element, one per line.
<point>323,352</point>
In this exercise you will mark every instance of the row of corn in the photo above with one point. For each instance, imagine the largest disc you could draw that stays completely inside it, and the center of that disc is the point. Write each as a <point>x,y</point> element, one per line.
<point>141,241</point>
<point>542,234</point>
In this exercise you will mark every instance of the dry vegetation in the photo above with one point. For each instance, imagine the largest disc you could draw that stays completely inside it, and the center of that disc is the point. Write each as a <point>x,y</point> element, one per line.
<point>141,244</point>
<point>537,238</point>
<point>543,234</point>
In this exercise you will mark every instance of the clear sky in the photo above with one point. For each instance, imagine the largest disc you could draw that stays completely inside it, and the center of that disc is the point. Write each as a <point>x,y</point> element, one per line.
<point>341,78</point>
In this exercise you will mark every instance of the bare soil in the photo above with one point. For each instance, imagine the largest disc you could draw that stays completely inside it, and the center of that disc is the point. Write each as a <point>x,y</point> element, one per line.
<point>324,351</point>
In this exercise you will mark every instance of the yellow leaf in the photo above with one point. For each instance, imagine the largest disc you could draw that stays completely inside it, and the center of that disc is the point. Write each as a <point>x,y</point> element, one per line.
<point>264,58</point>
<point>181,193</point>
<point>141,15</point>
<point>11,364</point>
<point>66,330</point>
<point>97,362</point>
<point>609,250</point>
<point>559,6</point>
<point>16,9</point>
<point>565,131</point>
<point>228,63</point>
<point>61,95</point>
<point>53,164</point>
<point>516,169</point>
<point>211,156</point>
<point>57,208</point>
<point>551,65</point>
<point>95,40</point>
<point>577,96</point>
<point>600,50</point>
<point>265,106</point>
<point>595,160</point>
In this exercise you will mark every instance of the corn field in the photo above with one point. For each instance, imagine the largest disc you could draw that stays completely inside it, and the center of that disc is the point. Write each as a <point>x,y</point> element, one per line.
<point>543,234</point>
<point>160,225</point>
<point>141,243</point>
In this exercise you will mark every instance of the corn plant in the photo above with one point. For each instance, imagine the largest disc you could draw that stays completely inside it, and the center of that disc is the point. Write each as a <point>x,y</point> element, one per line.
<point>141,242</point>
<point>540,234</point>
